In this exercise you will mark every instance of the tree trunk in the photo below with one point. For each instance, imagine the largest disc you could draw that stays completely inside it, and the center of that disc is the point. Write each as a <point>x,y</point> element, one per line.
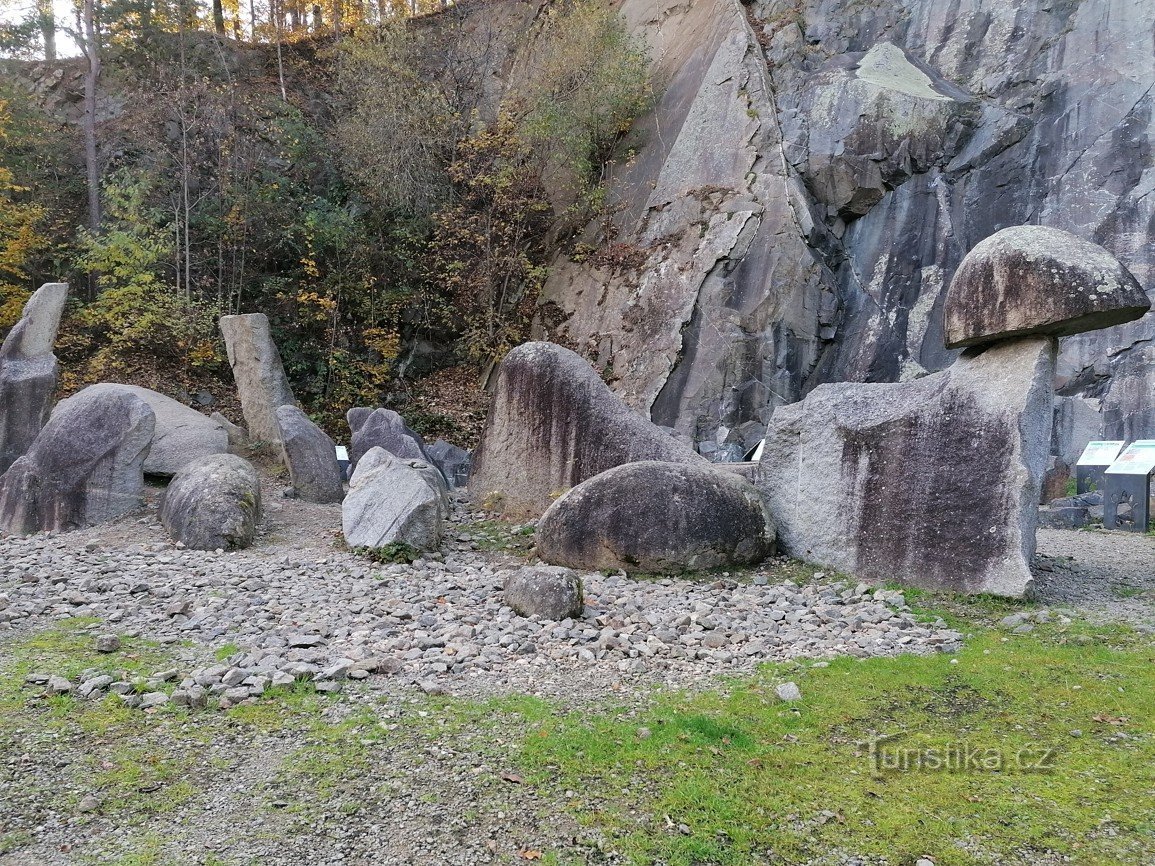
<point>92,51</point>
<point>219,17</point>
<point>47,21</point>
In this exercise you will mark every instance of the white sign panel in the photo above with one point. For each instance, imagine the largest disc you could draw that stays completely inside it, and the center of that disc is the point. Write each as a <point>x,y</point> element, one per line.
<point>1138,459</point>
<point>1100,453</point>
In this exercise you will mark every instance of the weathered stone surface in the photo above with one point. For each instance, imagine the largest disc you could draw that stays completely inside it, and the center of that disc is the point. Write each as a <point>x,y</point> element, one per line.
<point>356,416</point>
<point>1038,280</point>
<point>455,463</point>
<point>391,502</point>
<point>934,483</point>
<point>28,372</point>
<point>657,517</point>
<point>257,370</point>
<point>238,435</point>
<point>545,591</point>
<point>181,434</point>
<point>377,457</point>
<point>552,424</point>
<point>384,428</point>
<point>310,455</point>
<point>85,467</point>
<point>213,502</point>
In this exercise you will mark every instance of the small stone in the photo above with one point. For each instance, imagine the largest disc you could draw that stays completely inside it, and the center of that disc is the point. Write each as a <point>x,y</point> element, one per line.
<point>107,643</point>
<point>58,686</point>
<point>788,692</point>
<point>153,699</point>
<point>88,803</point>
<point>644,733</point>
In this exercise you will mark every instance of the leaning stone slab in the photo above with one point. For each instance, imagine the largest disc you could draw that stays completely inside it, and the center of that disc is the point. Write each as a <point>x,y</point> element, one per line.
<point>212,503</point>
<point>85,467</point>
<point>257,370</point>
<point>657,517</point>
<point>552,424</point>
<point>391,502</point>
<point>310,455</point>
<point>934,483</point>
<point>182,435</point>
<point>384,428</point>
<point>28,372</point>
<point>1037,280</point>
<point>546,591</point>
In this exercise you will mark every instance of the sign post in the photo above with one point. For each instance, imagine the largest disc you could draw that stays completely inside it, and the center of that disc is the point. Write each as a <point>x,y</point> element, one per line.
<point>1127,499</point>
<point>1094,460</point>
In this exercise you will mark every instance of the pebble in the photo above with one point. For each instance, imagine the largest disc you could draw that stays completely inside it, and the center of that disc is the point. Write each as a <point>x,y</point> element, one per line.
<point>788,692</point>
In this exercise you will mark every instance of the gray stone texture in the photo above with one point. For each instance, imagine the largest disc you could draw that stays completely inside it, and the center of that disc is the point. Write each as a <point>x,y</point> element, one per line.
<point>383,428</point>
<point>28,372</point>
<point>934,483</point>
<point>455,463</point>
<point>238,435</point>
<point>552,424</point>
<point>1031,279</point>
<point>212,503</point>
<point>388,502</point>
<point>310,455</point>
<point>544,591</point>
<point>657,518</point>
<point>377,457</point>
<point>257,370</point>
<point>85,467</point>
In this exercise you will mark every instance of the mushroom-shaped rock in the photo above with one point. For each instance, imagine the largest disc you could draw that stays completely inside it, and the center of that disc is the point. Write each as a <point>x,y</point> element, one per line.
<point>390,502</point>
<point>85,467</point>
<point>1038,280</point>
<point>546,591</point>
<point>657,517</point>
<point>311,457</point>
<point>213,502</point>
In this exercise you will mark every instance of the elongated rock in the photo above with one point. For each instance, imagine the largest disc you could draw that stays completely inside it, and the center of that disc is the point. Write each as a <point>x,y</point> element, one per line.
<point>310,455</point>
<point>257,370</point>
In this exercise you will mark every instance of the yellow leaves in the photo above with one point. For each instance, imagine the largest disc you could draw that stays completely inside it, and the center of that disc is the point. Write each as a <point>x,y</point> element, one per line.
<point>316,306</point>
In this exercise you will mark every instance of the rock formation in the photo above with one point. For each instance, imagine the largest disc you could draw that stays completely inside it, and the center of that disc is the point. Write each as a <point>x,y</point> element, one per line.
<point>544,591</point>
<point>28,372</point>
<point>455,463</point>
<point>657,517</point>
<point>552,424</point>
<point>181,434</point>
<point>85,467</point>
<point>383,428</point>
<point>377,457</point>
<point>310,455</point>
<point>213,503</point>
<point>390,502</point>
<point>238,436</point>
<point>257,370</point>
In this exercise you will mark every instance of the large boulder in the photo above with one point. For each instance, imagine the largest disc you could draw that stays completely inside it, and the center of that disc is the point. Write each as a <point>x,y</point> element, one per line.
<point>311,457</point>
<point>545,591</point>
<point>212,503</point>
<point>85,467</point>
<point>934,483</point>
<point>258,372</point>
<point>181,435</point>
<point>455,463</point>
<point>390,502</point>
<point>657,517</point>
<point>28,372</point>
<point>552,424</point>
<point>383,428</point>
<point>376,457</point>
<point>1038,280</point>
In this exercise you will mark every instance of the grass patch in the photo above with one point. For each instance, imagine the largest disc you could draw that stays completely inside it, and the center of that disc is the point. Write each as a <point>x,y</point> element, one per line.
<point>498,536</point>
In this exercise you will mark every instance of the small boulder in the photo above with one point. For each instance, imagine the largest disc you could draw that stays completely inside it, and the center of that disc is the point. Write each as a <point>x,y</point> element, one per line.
<point>258,372</point>
<point>238,435</point>
<point>657,517</point>
<point>213,502</point>
<point>391,502</point>
<point>311,457</point>
<point>546,591</point>
<point>377,457</point>
<point>455,463</point>
<point>1038,280</point>
<point>384,428</point>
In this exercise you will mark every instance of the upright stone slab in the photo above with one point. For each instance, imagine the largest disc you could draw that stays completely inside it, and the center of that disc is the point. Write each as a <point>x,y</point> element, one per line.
<point>391,502</point>
<point>455,463</point>
<point>257,370</point>
<point>934,483</point>
<point>28,372</point>
<point>552,424</point>
<point>85,467</point>
<point>311,457</point>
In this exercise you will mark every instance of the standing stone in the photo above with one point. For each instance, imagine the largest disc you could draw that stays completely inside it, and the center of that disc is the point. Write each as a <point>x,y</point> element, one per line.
<point>28,372</point>
<point>181,436</point>
<point>546,591</point>
<point>455,463</point>
<point>657,517</point>
<point>310,455</point>
<point>85,467</point>
<point>261,382</point>
<point>934,483</point>
<point>384,428</point>
<point>552,424</point>
<point>213,503</point>
<point>356,416</point>
<point>391,502</point>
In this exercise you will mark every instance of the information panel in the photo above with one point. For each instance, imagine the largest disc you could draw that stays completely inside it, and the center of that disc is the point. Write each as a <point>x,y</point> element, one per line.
<point>1100,453</point>
<point>1137,459</point>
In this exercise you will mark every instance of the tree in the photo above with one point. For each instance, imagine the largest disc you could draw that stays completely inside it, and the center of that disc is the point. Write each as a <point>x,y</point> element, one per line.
<point>47,22</point>
<point>91,46</point>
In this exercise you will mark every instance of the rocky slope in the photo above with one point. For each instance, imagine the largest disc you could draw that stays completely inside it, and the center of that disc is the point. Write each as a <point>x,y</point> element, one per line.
<point>813,173</point>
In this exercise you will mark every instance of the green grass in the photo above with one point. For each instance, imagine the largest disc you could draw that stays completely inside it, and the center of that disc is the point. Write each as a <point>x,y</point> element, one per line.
<point>498,536</point>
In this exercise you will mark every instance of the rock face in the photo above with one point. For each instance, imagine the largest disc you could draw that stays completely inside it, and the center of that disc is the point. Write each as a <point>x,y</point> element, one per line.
<point>377,457</point>
<point>391,502</point>
<point>257,370</point>
<point>28,372</point>
<point>552,424</point>
<point>934,483</point>
<point>545,591</point>
<point>181,434</point>
<point>310,455</point>
<point>455,463</point>
<point>383,428</point>
<point>657,517</point>
<point>213,503</point>
<point>85,467</point>
<point>1038,280</point>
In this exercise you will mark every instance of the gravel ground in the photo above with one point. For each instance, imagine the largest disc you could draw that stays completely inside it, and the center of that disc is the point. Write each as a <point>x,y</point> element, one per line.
<point>1106,575</point>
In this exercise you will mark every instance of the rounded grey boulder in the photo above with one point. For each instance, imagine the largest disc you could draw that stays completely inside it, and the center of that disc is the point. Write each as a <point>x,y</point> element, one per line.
<point>657,517</point>
<point>213,502</point>
<point>1038,280</point>
<point>546,591</point>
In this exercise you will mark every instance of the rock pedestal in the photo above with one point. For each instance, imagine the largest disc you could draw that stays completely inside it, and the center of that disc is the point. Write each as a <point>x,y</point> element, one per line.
<point>28,372</point>
<point>311,457</point>
<point>85,467</point>
<point>213,503</point>
<point>260,377</point>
